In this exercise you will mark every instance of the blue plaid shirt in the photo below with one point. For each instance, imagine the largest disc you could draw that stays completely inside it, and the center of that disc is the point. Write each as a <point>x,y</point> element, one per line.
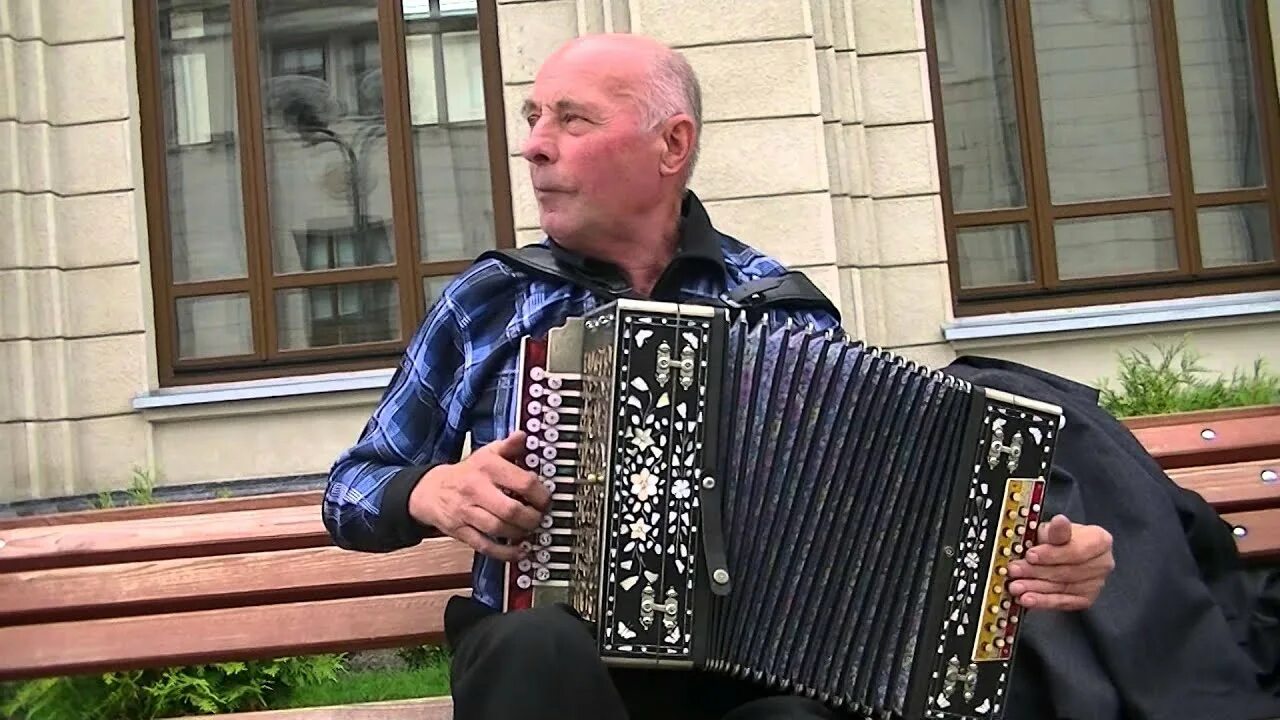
<point>458,375</point>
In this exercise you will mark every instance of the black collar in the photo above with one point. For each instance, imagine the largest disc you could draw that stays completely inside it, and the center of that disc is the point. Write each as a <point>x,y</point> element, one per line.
<point>698,248</point>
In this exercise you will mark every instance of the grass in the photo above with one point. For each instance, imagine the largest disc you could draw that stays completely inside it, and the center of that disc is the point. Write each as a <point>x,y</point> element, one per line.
<point>1173,379</point>
<point>371,686</point>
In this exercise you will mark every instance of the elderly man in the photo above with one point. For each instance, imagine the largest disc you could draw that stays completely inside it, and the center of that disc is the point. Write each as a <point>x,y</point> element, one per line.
<point>614,123</point>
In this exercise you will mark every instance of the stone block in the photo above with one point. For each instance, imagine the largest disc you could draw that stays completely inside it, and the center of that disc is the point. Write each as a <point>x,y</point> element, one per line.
<point>517,129</point>
<point>15,471</point>
<point>884,26</point>
<point>529,32</point>
<point>895,89</point>
<point>857,164</point>
<point>795,229</point>
<point>524,205</point>
<point>910,230</point>
<point>932,356</point>
<point>8,71</point>
<point>846,72</point>
<point>92,158</point>
<point>851,318</point>
<point>16,383</point>
<point>108,450</point>
<point>258,445</point>
<point>757,79</point>
<point>51,382</point>
<point>87,82</point>
<point>104,300</point>
<point>59,23</point>
<point>914,302</point>
<point>761,157</point>
<point>51,459</point>
<point>903,160</point>
<point>105,372</point>
<point>681,23</point>
<point>95,230</point>
<point>858,243</point>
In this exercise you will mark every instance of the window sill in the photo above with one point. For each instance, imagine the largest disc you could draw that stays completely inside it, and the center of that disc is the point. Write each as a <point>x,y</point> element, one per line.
<point>1040,322</point>
<point>305,392</point>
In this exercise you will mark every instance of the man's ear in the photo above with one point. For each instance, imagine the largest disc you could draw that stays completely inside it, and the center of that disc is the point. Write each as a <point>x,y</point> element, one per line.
<point>678,137</point>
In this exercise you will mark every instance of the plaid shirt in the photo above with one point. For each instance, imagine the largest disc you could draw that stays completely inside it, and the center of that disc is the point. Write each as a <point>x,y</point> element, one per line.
<point>458,375</point>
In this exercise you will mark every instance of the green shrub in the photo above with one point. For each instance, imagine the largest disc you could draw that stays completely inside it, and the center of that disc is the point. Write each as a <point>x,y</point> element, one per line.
<point>148,694</point>
<point>1174,380</point>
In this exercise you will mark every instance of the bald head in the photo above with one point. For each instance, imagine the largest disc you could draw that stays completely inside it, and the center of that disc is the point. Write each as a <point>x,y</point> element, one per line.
<point>658,80</point>
<point>613,132</point>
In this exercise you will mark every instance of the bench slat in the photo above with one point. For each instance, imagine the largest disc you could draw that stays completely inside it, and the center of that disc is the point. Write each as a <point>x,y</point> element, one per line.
<point>1262,538</point>
<point>162,538</point>
<point>422,709</point>
<point>169,509</point>
<point>207,636</point>
<point>1233,487</point>
<point>228,581</point>
<point>1233,440</point>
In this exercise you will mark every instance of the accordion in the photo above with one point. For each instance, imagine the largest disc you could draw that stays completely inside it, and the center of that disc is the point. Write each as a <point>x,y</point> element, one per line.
<point>780,504</point>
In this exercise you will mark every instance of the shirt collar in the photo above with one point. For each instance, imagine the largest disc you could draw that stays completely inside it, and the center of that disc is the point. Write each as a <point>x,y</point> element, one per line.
<point>698,248</point>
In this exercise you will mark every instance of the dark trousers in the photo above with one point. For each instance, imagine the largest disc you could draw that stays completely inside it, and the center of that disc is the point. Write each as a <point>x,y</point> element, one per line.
<point>541,664</point>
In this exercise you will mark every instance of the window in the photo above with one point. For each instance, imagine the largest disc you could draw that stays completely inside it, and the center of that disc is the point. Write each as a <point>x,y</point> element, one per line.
<point>316,173</point>
<point>1105,150</point>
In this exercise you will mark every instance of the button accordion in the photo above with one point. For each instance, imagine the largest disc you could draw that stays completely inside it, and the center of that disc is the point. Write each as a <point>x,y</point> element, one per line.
<point>782,505</point>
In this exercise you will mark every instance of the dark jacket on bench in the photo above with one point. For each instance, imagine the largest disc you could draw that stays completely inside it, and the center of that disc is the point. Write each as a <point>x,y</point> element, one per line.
<point>1179,631</point>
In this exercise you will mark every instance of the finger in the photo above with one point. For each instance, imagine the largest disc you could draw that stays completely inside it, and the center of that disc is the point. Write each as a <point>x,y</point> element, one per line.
<point>512,447</point>
<point>1051,587</point>
<point>525,485</point>
<point>490,524</point>
<point>1090,544</point>
<point>485,546</point>
<point>508,509</point>
<point>1095,567</point>
<point>1054,601</point>
<point>1057,532</point>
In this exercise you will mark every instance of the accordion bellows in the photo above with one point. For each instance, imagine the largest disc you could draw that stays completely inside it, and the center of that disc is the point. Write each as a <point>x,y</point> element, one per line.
<point>782,505</point>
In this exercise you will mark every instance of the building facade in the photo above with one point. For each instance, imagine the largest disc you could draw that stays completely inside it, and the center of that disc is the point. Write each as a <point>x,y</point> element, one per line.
<point>220,220</point>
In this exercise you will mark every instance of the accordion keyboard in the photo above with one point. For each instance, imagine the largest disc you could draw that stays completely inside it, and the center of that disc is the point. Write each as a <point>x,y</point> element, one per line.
<point>550,407</point>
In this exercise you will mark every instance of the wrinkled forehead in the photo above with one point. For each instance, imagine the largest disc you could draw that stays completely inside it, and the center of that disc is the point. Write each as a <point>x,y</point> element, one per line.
<point>581,79</point>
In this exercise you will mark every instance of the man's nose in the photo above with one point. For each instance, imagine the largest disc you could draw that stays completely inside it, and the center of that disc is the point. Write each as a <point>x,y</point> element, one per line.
<point>540,147</point>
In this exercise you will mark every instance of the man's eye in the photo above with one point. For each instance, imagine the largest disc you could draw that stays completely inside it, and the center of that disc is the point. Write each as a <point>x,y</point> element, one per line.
<point>532,120</point>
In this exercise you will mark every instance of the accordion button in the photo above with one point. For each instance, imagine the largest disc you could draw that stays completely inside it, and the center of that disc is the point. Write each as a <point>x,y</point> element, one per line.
<point>533,425</point>
<point>548,470</point>
<point>554,400</point>
<point>551,435</point>
<point>554,382</point>
<point>535,407</point>
<point>536,373</point>
<point>535,390</point>
<point>546,523</point>
<point>549,484</point>
<point>531,442</point>
<point>549,453</point>
<point>524,565</point>
<point>544,556</point>
<point>542,574</point>
<point>532,460</point>
<point>524,582</point>
<point>544,539</point>
<point>551,418</point>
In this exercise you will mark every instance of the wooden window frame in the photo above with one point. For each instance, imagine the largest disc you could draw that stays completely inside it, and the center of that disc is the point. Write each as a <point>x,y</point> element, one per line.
<point>1047,290</point>
<point>261,282</point>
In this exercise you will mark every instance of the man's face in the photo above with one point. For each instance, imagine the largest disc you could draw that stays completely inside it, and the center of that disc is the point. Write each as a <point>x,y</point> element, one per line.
<point>592,163</point>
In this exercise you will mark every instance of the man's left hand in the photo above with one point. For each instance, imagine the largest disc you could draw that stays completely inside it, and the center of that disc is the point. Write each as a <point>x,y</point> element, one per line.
<point>1066,569</point>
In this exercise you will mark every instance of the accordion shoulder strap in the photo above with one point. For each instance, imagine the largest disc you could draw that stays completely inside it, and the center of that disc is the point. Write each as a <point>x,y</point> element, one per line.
<point>791,290</point>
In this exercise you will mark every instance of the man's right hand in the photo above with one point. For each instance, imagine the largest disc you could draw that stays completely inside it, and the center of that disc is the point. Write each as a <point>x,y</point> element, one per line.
<point>486,495</point>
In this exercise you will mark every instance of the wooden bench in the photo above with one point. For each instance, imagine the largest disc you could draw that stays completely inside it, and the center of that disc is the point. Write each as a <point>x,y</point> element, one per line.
<point>1232,459</point>
<point>213,581</point>
<point>255,578</point>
